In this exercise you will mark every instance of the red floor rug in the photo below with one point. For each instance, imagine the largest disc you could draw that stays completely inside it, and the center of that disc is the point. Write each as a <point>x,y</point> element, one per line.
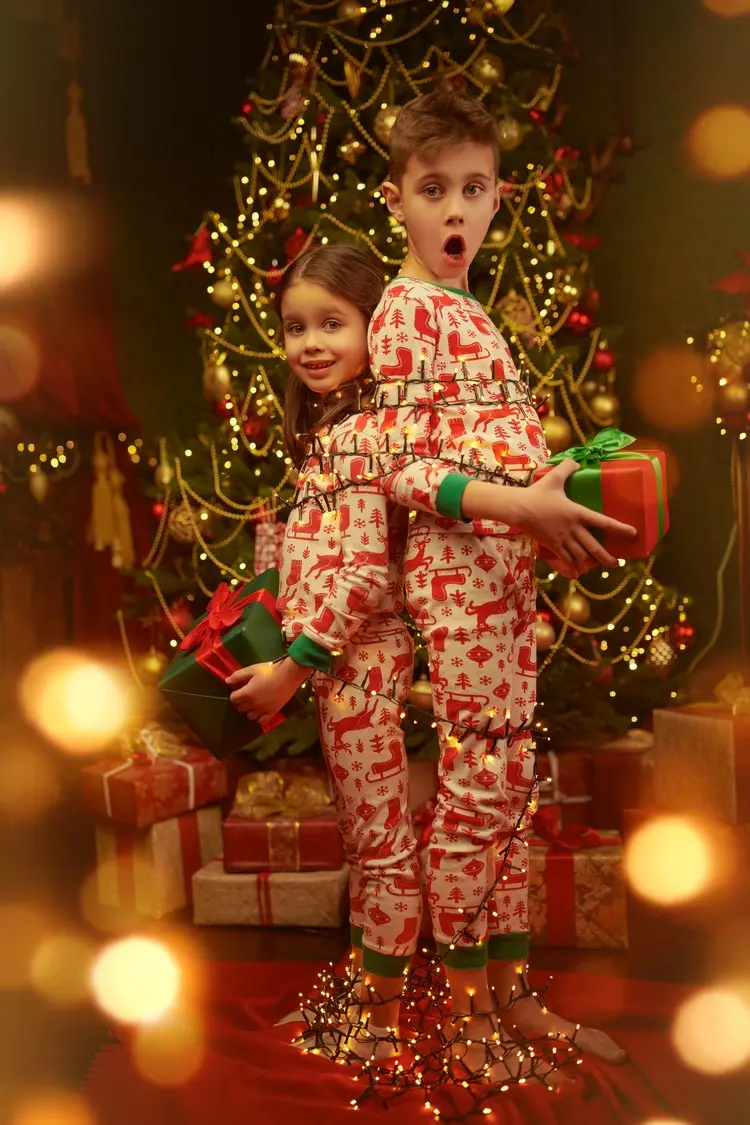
<point>252,1076</point>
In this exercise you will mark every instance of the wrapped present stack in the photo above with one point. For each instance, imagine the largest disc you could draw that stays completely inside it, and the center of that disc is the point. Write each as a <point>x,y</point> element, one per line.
<point>701,768</point>
<point>282,862</point>
<point>158,820</point>
<point>269,543</point>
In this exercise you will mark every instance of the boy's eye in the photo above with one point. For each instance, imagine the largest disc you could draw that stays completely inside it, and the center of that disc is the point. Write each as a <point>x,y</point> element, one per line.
<point>474,189</point>
<point>432,191</point>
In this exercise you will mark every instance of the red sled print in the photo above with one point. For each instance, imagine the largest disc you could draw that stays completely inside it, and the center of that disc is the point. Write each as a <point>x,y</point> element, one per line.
<point>309,529</point>
<point>405,885</point>
<point>526,661</point>
<point>423,326</point>
<point>402,368</point>
<point>501,452</point>
<point>463,350</point>
<point>515,780</point>
<point>390,767</point>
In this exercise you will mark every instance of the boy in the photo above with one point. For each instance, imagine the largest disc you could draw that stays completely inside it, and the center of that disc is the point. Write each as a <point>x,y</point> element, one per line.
<point>460,440</point>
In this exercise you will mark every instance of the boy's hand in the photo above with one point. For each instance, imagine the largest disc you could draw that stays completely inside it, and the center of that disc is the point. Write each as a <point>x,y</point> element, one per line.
<point>266,688</point>
<point>550,517</point>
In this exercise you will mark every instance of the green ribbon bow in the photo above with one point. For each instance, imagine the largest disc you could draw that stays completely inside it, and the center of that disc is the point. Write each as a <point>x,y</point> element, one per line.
<point>600,447</point>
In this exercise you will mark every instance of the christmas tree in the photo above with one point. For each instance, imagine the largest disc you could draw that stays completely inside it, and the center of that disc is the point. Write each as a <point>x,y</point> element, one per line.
<point>316,125</point>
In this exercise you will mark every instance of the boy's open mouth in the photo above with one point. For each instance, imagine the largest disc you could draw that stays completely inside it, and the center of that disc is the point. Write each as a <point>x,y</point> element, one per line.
<point>454,248</point>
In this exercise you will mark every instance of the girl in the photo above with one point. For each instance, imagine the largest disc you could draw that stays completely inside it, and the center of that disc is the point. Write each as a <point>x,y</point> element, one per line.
<point>340,597</point>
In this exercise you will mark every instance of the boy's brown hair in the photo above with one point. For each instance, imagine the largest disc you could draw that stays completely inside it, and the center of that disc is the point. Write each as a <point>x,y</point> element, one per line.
<point>356,275</point>
<point>435,121</point>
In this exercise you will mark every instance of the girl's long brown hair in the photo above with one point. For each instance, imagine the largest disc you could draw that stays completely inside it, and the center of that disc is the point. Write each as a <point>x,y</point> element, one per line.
<point>350,272</point>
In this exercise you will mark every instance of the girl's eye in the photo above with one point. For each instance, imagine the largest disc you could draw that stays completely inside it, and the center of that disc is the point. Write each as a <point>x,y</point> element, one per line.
<point>292,329</point>
<point>333,324</point>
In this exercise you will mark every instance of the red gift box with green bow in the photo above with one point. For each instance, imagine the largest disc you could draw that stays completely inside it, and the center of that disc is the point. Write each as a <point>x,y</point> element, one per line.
<point>241,626</point>
<point>630,486</point>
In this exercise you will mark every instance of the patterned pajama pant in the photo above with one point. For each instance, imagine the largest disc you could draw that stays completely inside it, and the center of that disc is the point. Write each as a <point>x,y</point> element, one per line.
<point>363,746</point>
<point>474,600</point>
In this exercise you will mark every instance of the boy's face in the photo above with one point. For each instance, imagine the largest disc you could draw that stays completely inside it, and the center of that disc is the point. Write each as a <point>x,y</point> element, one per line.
<point>446,205</point>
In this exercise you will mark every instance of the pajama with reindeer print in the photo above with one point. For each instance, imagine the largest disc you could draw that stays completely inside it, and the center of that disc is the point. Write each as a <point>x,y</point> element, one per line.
<point>340,599</point>
<point>451,407</point>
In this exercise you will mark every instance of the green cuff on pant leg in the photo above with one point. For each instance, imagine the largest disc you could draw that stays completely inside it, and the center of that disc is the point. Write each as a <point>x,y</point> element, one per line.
<point>383,964</point>
<point>463,956</point>
<point>509,947</point>
<point>355,936</point>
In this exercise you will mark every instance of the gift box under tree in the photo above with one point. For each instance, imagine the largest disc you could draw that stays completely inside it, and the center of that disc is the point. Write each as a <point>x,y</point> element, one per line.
<point>702,756</point>
<point>623,778</point>
<point>241,626</point>
<point>282,824</point>
<point>565,781</point>
<point>150,870</point>
<point>156,776</point>
<point>629,486</point>
<point>270,898</point>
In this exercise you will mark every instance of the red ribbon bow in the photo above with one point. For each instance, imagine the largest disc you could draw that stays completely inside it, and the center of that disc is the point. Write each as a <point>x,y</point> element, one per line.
<point>572,838</point>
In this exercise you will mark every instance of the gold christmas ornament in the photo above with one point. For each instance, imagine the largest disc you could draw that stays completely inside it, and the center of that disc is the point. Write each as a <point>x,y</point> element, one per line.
<point>223,293</point>
<point>151,666</point>
<point>39,485</point>
<point>498,7</point>
<point>385,119</point>
<point>660,653</point>
<point>180,523</point>
<point>733,398</point>
<point>217,381</point>
<point>351,149</point>
<point>488,69</point>
<point>723,366</point>
<point>606,408</point>
<point>509,133</point>
<point>353,76</point>
<point>279,209</point>
<point>545,634</point>
<point>557,433</point>
<point>350,10</point>
<point>420,694</point>
<point>590,387</point>
<point>576,607</point>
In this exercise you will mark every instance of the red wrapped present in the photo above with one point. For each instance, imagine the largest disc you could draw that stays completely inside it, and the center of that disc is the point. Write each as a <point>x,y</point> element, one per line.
<point>565,781</point>
<point>576,886</point>
<point>158,778</point>
<point>269,898</point>
<point>629,486</point>
<point>150,870</point>
<point>623,778</point>
<point>282,824</point>
<point>702,756</point>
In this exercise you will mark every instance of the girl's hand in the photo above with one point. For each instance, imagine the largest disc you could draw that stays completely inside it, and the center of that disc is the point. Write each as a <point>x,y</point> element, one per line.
<point>266,688</point>
<point>550,517</point>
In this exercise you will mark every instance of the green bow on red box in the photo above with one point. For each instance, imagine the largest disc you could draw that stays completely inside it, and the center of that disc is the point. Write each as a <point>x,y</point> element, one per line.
<point>629,485</point>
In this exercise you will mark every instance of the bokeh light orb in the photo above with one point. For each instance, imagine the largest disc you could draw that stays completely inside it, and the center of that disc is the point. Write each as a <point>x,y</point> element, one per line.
<point>53,1107</point>
<point>61,967</point>
<point>718,142</point>
<point>670,860</point>
<point>728,8</point>
<point>170,1052</point>
<point>19,363</point>
<point>23,927</point>
<point>665,390</point>
<point>78,703</point>
<point>711,1031</point>
<point>136,980</point>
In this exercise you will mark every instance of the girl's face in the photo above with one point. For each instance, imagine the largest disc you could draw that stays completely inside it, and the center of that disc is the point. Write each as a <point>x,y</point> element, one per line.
<point>325,336</point>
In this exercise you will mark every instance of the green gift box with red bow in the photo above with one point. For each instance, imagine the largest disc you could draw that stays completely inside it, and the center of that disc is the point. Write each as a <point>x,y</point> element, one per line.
<point>630,486</point>
<point>241,626</point>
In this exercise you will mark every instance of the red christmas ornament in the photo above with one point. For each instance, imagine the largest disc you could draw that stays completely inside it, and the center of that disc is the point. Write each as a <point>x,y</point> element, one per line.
<point>683,633</point>
<point>607,676</point>
<point>182,614</point>
<point>603,361</point>
<point>538,116</point>
<point>295,244</point>
<point>273,277</point>
<point>199,320</point>
<point>158,509</point>
<point>3,488</point>
<point>544,614</point>
<point>222,408</point>
<point>256,428</point>
<point>199,253</point>
<point>581,241</point>
<point>579,322</point>
<point>541,405</point>
<point>567,154</point>
<point>247,109</point>
<point>591,301</point>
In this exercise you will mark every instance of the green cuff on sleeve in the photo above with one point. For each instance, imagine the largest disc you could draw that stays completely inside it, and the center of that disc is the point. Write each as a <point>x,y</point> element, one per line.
<point>450,494</point>
<point>308,652</point>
